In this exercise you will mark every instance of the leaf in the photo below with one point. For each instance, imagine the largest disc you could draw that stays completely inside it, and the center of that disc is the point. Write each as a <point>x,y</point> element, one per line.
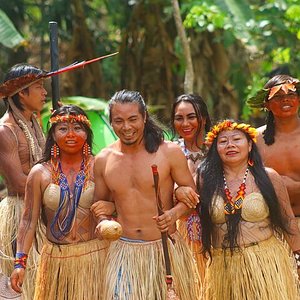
<point>9,36</point>
<point>241,15</point>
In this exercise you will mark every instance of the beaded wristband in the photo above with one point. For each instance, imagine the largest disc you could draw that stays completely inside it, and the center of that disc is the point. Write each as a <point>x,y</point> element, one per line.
<point>20,261</point>
<point>297,258</point>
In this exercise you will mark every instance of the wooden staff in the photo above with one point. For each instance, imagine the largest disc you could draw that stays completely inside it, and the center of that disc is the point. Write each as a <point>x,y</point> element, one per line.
<point>54,63</point>
<point>171,294</point>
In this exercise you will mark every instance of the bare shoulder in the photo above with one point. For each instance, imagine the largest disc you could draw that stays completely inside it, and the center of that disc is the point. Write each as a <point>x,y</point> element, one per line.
<point>104,154</point>
<point>170,147</point>
<point>274,176</point>
<point>173,153</point>
<point>38,171</point>
<point>260,140</point>
<point>8,134</point>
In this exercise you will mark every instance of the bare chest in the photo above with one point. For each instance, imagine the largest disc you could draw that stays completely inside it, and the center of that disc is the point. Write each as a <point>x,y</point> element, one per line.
<point>283,156</point>
<point>125,173</point>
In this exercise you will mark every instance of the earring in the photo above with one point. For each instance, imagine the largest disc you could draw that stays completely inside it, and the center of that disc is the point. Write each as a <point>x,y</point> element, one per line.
<point>55,151</point>
<point>86,150</point>
<point>250,162</point>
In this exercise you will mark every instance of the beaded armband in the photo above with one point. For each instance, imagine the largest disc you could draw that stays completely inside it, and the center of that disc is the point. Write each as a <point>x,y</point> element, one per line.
<point>297,258</point>
<point>20,261</point>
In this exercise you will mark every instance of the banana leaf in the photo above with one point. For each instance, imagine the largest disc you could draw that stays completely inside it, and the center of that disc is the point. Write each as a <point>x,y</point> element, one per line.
<point>9,36</point>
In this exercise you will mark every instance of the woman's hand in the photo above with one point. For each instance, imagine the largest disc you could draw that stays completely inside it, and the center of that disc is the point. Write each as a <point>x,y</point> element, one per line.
<point>16,279</point>
<point>101,208</point>
<point>187,195</point>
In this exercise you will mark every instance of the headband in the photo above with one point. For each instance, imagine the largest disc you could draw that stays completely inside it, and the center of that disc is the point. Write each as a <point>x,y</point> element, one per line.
<point>262,96</point>
<point>229,125</point>
<point>70,119</point>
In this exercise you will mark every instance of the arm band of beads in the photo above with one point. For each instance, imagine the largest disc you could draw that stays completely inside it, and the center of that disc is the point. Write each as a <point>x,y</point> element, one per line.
<point>21,260</point>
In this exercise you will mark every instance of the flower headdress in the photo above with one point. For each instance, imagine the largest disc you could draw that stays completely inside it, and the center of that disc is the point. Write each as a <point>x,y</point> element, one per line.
<point>230,125</point>
<point>264,95</point>
<point>71,119</point>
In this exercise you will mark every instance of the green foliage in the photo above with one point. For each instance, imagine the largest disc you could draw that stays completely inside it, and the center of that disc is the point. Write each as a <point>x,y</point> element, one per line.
<point>270,30</point>
<point>9,36</point>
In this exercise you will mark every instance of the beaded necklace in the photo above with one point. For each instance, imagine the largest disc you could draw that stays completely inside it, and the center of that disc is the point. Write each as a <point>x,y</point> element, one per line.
<point>68,203</point>
<point>191,155</point>
<point>232,206</point>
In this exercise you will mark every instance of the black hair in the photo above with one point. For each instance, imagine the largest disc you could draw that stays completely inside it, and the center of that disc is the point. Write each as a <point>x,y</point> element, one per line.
<point>201,112</point>
<point>269,132</point>
<point>212,184</point>
<point>153,134</point>
<point>19,70</point>
<point>61,111</point>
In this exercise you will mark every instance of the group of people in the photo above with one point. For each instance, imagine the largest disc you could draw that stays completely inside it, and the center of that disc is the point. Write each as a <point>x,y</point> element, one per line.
<point>228,199</point>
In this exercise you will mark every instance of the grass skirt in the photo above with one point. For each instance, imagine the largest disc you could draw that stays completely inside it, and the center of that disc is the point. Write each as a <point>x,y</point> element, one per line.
<point>136,271</point>
<point>71,272</point>
<point>11,209</point>
<point>263,271</point>
<point>194,244</point>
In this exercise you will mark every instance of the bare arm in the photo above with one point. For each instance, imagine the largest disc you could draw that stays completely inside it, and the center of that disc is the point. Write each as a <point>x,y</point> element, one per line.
<point>10,161</point>
<point>28,222</point>
<point>182,177</point>
<point>293,237</point>
<point>293,187</point>
<point>102,206</point>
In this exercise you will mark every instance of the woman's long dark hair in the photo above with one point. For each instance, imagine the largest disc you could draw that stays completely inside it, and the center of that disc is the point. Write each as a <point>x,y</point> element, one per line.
<point>212,184</point>
<point>269,133</point>
<point>61,111</point>
<point>153,134</point>
<point>201,112</point>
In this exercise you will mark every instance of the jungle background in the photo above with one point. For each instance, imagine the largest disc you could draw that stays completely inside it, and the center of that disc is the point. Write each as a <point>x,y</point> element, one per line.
<point>223,50</point>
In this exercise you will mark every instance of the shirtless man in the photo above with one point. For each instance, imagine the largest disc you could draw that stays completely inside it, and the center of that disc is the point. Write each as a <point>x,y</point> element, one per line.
<point>279,139</point>
<point>135,267</point>
<point>21,146</point>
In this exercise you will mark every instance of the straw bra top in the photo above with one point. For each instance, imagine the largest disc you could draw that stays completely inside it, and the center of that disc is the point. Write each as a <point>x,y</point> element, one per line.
<point>254,209</point>
<point>52,195</point>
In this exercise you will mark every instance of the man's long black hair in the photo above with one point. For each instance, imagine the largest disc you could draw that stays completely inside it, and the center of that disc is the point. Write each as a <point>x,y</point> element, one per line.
<point>153,134</point>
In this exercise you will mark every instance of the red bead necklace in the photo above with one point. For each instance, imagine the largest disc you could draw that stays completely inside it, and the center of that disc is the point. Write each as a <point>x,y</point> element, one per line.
<point>232,206</point>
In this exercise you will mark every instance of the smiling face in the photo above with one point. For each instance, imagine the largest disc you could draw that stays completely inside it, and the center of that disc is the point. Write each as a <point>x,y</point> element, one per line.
<point>233,147</point>
<point>128,123</point>
<point>70,137</point>
<point>186,122</point>
<point>284,105</point>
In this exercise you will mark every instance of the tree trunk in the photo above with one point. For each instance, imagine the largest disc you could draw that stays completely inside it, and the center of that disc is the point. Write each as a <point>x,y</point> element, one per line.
<point>189,71</point>
<point>87,81</point>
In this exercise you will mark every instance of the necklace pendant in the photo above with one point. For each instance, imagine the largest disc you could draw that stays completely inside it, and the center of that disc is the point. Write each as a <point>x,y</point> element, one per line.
<point>229,208</point>
<point>238,202</point>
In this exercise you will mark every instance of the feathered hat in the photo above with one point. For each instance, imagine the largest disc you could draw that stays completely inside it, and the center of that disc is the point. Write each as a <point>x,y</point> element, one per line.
<point>264,95</point>
<point>15,85</point>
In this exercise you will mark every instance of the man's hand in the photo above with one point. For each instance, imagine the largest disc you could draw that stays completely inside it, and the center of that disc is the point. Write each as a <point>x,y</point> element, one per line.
<point>187,195</point>
<point>16,279</point>
<point>165,220</point>
<point>101,208</point>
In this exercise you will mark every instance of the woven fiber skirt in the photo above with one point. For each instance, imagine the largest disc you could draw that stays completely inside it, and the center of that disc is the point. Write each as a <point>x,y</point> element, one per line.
<point>135,270</point>
<point>71,272</point>
<point>264,271</point>
<point>11,209</point>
